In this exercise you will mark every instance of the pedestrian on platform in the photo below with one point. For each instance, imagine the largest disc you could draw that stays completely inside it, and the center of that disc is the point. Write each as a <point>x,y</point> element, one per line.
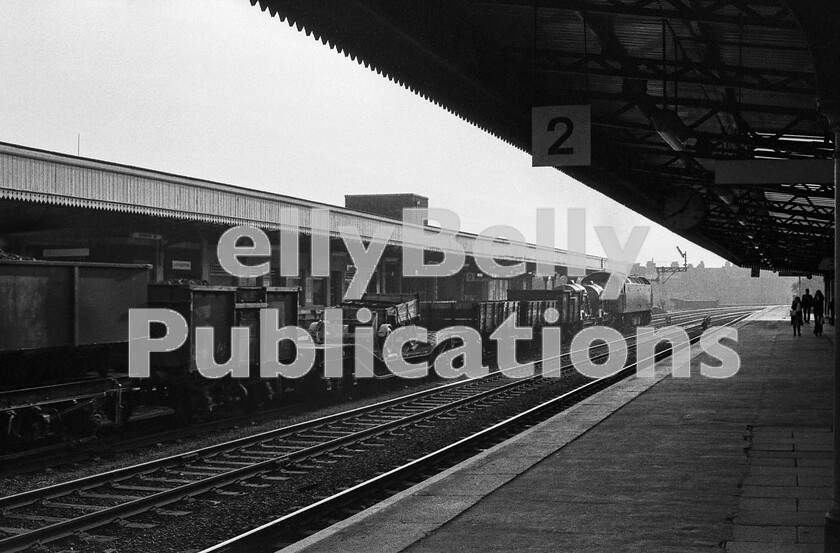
<point>819,303</point>
<point>796,316</point>
<point>807,304</point>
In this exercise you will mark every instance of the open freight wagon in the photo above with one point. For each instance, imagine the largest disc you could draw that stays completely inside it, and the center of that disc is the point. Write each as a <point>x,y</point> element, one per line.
<point>386,313</point>
<point>220,308</point>
<point>62,320</point>
<point>63,346</point>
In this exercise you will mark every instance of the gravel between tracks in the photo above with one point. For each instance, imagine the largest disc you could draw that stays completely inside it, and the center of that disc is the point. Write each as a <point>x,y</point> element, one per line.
<point>13,484</point>
<point>214,517</point>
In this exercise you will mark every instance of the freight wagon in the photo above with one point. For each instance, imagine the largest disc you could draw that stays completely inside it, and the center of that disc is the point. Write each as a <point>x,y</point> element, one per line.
<point>63,330</point>
<point>61,320</point>
<point>573,306</point>
<point>385,313</point>
<point>64,353</point>
<point>220,308</point>
<point>574,310</point>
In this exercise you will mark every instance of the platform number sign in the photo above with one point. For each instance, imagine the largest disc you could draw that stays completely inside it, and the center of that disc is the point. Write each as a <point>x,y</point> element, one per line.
<point>561,136</point>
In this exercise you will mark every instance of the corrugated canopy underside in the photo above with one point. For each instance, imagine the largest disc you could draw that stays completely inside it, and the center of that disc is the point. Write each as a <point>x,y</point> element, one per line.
<point>742,75</point>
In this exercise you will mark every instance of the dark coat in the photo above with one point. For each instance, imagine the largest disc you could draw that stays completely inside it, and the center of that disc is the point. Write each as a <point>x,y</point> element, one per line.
<point>819,305</point>
<point>796,313</point>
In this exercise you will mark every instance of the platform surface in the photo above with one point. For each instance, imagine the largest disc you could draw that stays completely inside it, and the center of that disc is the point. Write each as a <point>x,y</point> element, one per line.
<point>661,464</point>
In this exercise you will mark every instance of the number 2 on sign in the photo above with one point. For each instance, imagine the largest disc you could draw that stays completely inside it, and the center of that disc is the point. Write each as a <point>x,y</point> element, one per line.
<point>556,147</point>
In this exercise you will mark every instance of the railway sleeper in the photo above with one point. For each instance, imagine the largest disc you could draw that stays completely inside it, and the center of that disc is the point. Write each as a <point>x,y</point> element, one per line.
<point>307,468</point>
<point>493,400</point>
<point>76,506</point>
<point>407,410</point>
<point>293,471</point>
<point>169,512</point>
<point>133,488</point>
<point>260,455</point>
<point>381,438</point>
<point>92,495</point>
<point>337,427</point>
<point>324,460</point>
<point>301,443</point>
<point>279,447</point>
<point>251,459</point>
<point>273,477</point>
<point>35,518</point>
<point>123,523</point>
<point>329,435</point>
<point>383,419</point>
<point>432,404</point>
<point>210,470</point>
<point>164,480</point>
<point>340,455</point>
<point>225,462</point>
<point>178,472</point>
<point>366,424</point>
<point>247,484</point>
<point>402,413</point>
<point>228,493</point>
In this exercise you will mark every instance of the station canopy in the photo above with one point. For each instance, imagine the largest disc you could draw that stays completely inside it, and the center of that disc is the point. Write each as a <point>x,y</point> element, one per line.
<point>677,89</point>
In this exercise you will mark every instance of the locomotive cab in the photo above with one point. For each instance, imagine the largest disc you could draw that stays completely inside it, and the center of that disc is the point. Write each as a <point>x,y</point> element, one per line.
<point>631,308</point>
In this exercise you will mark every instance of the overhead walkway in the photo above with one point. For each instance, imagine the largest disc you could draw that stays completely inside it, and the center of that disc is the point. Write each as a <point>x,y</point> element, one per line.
<point>668,465</point>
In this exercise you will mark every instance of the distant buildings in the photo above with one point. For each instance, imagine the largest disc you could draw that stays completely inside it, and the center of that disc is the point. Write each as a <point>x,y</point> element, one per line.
<point>703,286</point>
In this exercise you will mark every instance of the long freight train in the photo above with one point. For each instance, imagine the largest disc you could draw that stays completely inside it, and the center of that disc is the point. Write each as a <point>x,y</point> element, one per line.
<point>63,331</point>
<point>576,305</point>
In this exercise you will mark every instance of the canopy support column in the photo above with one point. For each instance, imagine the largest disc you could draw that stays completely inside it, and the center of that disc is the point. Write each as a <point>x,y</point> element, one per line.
<point>832,518</point>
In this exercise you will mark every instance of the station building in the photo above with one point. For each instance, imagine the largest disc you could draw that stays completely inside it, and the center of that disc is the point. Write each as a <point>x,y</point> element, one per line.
<point>65,208</point>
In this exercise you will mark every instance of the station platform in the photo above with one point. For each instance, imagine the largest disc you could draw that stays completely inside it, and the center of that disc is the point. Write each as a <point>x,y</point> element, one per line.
<point>661,464</point>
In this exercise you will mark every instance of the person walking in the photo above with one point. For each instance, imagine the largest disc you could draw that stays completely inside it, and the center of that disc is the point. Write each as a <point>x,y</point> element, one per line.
<point>807,304</point>
<point>796,316</point>
<point>819,306</point>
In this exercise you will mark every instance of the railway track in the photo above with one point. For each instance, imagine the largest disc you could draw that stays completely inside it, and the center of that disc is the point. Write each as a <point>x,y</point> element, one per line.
<point>692,314</point>
<point>55,512</point>
<point>269,537</point>
<point>74,450</point>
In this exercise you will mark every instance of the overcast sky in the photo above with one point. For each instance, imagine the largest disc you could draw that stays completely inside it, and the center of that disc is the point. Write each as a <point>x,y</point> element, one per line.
<point>219,90</point>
